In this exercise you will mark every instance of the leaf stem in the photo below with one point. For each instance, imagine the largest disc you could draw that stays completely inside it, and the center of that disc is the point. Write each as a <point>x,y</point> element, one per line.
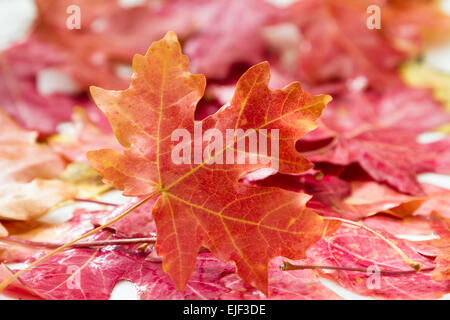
<point>80,244</point>
<point>8,281</point>
<point>96,202</point>
<point>415,265</point>
<point>289,266</point>
<point>102,243</point>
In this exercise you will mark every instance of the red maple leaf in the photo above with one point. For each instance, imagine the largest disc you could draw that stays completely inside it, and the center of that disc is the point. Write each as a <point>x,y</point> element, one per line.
<point>379,133</point>
<point>92,51</point>
<point>438,248</point>
<point>19,93</point>
<point>413,225</point>
<point>231,35</point>
<point>354,200</point>
<point>293,285</point>
<point>337,44</point>
<point>139,224</point>
<point>354,247</point>
<point>75,274</point>
<point>204,204</point>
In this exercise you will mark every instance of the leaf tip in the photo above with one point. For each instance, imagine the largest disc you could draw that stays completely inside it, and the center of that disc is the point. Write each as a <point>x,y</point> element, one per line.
<point>327,99</point>
<point>95,91</point>
<point>263,66</point>
<point>171,36</point>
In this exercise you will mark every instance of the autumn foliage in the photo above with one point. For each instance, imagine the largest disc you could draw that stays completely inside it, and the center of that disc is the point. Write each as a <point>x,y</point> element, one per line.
<point>343,196</point>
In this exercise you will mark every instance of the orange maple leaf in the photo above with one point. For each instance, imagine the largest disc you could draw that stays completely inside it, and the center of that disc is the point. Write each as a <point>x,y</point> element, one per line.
<point>203,203</point>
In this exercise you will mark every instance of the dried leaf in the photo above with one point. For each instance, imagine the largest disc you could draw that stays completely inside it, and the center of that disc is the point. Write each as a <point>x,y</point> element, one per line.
<point>19,95</point>
<point>354,200</point>
<point>230,36</point>
<point>25,167</point>
<point>337,43</point>
<point>85,179</point>
<point>293,285</point>
<point>29,201</point>
<point>92,53</point>
<point>381,136</point>
<point>354,247</point>
<point>3,231</point>
<point>419,74</point>
<point>86,136</point>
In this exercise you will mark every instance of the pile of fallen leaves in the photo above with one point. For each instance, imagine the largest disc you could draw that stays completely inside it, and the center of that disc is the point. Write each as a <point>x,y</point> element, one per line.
<point>346,192</point>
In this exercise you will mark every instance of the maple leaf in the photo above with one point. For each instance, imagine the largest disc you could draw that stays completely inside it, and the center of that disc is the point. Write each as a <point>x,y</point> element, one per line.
<point>373,197</point>
<point>3,231</point>
<point>337,44</point>
<point>20,97</point>
<point>442,270</point>
<point>231,35</point>
<point>27,201</point>
<point>74,274</point>
<point>440,248</point>
<point>429,25</point>
<point>295,285</point>
<point>412,225</point>
<point>423,76</point>
<point>438,201</point>
<point>354,247</point>
<point>92,52</point>
<point>88,56</point>
<point>381,137</point>
<point>17,289</point>
<point>429,223</point>
<point>86,136</point>
<point>204,205</point>
<point>25,167</point>
<point>209,24</point>
<point>37,231</point>
<point>18,154</point>
<point>85,179</point>
<point>354,200</point>
<point>139,224</point>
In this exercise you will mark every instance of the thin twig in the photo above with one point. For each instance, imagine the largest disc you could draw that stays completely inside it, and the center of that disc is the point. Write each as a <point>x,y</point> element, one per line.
<point>102,243</point>
<point>96,202</point>
<point>288,266</point>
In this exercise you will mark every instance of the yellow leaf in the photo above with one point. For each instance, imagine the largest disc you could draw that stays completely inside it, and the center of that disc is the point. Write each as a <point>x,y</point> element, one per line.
<point>419,74</point>
<point>86,179</point>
